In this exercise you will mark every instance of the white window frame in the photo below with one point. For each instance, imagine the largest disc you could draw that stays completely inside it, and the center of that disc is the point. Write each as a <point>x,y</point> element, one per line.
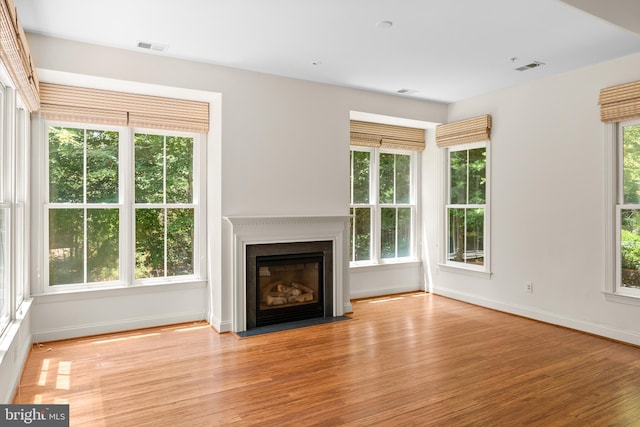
<point>444,262</point>
<point>126,205</point>
<point>14,192</point>
<point>376,207</point>
<point>614,203</point>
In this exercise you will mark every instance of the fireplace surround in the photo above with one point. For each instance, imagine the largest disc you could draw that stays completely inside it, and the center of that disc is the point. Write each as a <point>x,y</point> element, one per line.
<point>280,234</point>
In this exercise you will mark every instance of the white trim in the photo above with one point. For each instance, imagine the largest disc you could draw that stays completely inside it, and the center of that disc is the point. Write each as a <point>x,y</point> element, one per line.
<point>88,329</point>
<point>443,218</point>
<point>631,337</point>
<point>244,231</point>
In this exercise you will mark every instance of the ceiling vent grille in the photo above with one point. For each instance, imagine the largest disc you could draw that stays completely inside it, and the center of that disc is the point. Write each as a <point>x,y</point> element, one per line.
<point>152,46</point>
<point>534,64</point>
<point>407,91</point>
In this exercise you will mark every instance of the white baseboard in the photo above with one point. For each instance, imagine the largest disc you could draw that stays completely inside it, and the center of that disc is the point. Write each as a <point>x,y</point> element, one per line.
<point>116,326</point>
<point>606,331</point>
<point>370,293</point>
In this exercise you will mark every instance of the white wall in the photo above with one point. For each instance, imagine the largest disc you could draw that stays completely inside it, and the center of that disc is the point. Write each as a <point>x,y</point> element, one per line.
<point>547,209</point>
<point>284,151</point>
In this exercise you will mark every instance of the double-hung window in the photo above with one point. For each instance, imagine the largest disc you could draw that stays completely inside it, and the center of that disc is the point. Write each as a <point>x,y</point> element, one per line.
<point>122,203</point>
<point>628,209</point>
<point>14,168</point>
<point>466,205</point>
<point>465,224</point>
<point>383,208</point>
<point>620,112</point>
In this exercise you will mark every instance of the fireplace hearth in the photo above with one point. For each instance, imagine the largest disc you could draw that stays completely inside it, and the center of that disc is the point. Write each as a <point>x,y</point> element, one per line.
<point>288,282</point>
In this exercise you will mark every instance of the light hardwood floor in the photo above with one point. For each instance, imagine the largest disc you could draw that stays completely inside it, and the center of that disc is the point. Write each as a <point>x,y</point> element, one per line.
<point>404,360</point>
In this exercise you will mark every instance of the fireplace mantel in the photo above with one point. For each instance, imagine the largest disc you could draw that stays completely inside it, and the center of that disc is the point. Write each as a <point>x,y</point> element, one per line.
<point>253,230</point>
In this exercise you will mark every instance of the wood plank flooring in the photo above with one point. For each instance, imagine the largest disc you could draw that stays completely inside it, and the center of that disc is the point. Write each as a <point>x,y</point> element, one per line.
<point>405,360</point>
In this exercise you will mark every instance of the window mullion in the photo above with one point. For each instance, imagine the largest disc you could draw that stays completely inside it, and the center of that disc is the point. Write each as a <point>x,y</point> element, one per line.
<point>127,205</point>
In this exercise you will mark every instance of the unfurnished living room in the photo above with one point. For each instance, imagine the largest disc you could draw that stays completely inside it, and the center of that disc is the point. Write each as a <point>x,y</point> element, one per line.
<point>336,213</point>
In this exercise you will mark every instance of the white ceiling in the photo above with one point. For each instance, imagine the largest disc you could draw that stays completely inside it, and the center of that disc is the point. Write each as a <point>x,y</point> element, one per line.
<point>446,50</point>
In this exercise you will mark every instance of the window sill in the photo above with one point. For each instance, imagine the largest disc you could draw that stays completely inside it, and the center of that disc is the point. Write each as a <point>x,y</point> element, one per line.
<point>388,264</point>
<point>621,298</point>
<point>81,294</point>
<point>465,271</point>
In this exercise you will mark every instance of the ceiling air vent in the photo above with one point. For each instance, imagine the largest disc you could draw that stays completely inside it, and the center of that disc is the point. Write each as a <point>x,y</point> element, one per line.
<point>534,64</point>
<point>152,46</point>
<point>406,91</point>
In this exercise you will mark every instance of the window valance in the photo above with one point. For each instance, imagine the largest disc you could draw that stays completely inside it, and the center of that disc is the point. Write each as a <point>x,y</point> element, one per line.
<point>76,104</point>
<point>15,54</point>
<point>377,135</point>
<point>475,129</point>
<point>620,103</point>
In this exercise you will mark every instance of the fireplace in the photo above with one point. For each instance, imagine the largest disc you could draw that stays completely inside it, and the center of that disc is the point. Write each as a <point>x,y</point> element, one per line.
<point>306,250</point>
<point>288,282</point>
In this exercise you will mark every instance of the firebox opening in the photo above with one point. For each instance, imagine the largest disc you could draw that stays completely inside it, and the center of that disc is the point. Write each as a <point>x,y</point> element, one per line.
<point>288,282</point>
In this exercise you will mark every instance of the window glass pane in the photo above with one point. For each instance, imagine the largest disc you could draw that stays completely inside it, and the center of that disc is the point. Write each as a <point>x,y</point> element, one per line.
<point>403,178</point>
<point>455,249</point>
<point>179,242</point>
<point>630,248</point>
<point>102,245</point>
<point>361,161</point>
<point>149,169</point>
<point>474,253</point>
<point>361,235</point>
<point>102,166</point>
<point>458,177</point>
<point>477,175</point>
<point>66,165</point>
<point>631,173</point>
<point>387,175</point>
<point>179,169</point>
<point>388,233</point>
<point>404,232</point>
<point>4,267</point>
<point>149,243</point>
<point>66,246</point>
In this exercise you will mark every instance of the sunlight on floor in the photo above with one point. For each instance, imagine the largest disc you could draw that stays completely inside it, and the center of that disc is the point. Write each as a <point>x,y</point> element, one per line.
<point>131,337</point>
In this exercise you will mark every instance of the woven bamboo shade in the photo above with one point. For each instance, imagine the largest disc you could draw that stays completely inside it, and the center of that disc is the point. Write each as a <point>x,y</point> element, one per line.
<point>77,104</point>
<point>475,129</point>
<point>377,135</point>
<point>15,55</point>
<point>620,103</point>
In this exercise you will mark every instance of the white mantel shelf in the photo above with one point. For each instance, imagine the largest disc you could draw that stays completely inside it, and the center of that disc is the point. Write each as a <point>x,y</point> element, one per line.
<point>253,230</point>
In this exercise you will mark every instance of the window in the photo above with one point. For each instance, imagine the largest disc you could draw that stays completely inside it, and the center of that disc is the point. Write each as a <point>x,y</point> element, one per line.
<point>121,206</point>
<point>628,209</point>
<point>164,205</point>
<point>465,210</point>
<point>383,205</point>
<point>14,170</point>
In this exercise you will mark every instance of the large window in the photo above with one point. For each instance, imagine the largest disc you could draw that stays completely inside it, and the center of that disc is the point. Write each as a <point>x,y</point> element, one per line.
<point>14,170</point>
<point>465,209</point>
<point>383,205</point>
<point>121,206</point>
<point>628,209</point>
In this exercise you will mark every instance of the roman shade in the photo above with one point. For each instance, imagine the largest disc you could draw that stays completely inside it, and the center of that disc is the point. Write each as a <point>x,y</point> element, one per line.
<point>77,104</point>
<point>15,55</point>
<point>377,135</point>
<point>475,129</point>
<point>620,103</point>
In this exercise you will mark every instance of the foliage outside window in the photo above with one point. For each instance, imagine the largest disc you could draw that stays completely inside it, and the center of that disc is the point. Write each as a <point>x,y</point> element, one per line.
<point>382,206</point>
<point>91,207</point>
<point>466,206</point>
<point>628,209</point>
<point>164,205</point>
